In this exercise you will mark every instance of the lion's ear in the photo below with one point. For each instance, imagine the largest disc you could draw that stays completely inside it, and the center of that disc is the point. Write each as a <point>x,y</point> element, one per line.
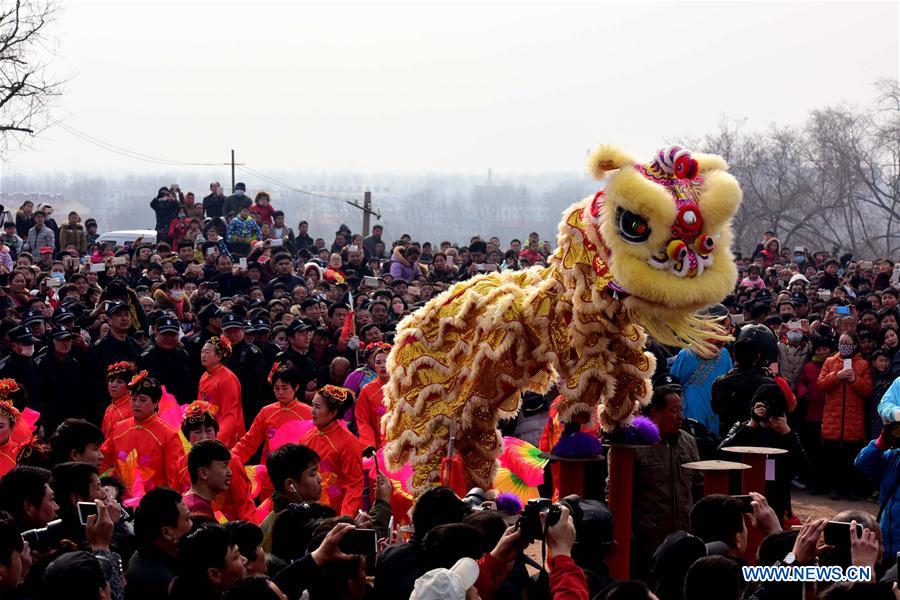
<point>710,162</point>
<point>607,158</point>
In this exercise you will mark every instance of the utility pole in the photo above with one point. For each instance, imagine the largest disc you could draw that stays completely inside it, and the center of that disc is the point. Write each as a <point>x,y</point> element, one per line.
<point>367,211</point>
<point>366,208</point>
<point>232,170</point>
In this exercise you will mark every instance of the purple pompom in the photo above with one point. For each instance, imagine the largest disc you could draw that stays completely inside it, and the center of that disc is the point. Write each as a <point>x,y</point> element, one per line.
<point>578,445</point>
<point>509,503</point>
<point>646,430</point>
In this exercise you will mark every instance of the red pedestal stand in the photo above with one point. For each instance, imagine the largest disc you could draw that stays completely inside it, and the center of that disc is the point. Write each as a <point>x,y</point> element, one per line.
<point>621,482</point>
<point>715,474</point>
<point>753,480</point>
<point>571,472</point>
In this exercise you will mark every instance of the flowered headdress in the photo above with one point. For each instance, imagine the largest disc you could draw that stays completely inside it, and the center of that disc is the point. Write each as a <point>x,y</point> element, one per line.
<point>8,387</point>
<point>376,347</point>
<point>142,383</point>
<point>272,371</point>
<point>123,369</point>
<point>197,411</point>
<point>336,396</point>
<point>222,346</point>
<point>9,411</point>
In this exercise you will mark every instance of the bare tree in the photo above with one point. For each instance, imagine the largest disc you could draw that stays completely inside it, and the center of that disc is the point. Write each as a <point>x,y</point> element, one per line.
<point>831,184</point>
<point>26,86</point>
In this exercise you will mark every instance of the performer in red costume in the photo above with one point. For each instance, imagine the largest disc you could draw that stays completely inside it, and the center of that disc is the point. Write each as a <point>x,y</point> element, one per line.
<point>118,375</point>
<point>273,416</point>
<point>221,388</point>
<point>8,448</point>
<point>370,404</point>
<point>340,453</point>
<point>143,451</point>
<point>21,431</point>
<point>200,424</point>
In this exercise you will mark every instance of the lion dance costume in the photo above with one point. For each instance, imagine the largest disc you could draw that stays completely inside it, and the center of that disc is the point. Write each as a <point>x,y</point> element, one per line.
<point>640,257</point>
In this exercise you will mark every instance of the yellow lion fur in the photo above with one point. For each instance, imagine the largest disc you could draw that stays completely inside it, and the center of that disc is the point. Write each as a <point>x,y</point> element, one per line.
<point>466,356</point>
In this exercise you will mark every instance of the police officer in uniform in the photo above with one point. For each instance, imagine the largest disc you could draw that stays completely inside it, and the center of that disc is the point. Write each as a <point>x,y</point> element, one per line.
<point>115,346</point>
<point>300,334</point>
<point>37,323</point>
<point>16,365</point>
<point>169,363</point>
<point>259,329</point>
<point>58,392</point>
<point>247,362</point>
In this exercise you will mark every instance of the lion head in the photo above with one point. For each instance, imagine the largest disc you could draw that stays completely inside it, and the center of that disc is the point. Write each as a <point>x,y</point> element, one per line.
<point>665,231</point>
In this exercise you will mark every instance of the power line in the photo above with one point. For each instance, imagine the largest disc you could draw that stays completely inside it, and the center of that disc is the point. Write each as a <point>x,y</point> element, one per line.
<point>355,202</point>
<point>130,153</point>
<point>364,207</point>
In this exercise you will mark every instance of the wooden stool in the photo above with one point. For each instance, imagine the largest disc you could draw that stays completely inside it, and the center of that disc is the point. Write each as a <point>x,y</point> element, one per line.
<point>754,480</point>
<point>715,474</point>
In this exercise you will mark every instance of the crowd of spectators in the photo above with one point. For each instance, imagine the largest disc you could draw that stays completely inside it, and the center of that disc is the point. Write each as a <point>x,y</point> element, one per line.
<point>143,388</point>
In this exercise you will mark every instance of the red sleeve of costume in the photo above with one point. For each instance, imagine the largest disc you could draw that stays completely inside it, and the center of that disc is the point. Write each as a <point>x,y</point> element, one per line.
<point>567,580</point>
<point>250,441</point>
<point>547,436</point>
<point>231,413</point>
<point>174,453</point>
<point>351,468</point>
<point>491,574</point>
<point>108,451</point>
<point>363,414</point>
<point>240,494</point>
<point>107,425</point>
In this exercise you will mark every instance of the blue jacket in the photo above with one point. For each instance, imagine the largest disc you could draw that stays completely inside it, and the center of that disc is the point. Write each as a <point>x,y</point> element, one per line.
<point>889,402</point>
<point>884,467</point>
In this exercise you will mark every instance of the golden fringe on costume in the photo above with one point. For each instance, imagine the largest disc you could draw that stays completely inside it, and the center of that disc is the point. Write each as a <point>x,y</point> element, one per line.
<point>467,355</point>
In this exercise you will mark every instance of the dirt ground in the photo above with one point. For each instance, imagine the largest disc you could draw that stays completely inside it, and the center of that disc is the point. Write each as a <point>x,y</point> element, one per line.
<point>807,505</point>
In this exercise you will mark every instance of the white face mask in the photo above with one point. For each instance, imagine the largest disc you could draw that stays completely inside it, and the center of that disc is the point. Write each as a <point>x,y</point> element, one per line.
<point>177,294</point>
<point>27,350</point>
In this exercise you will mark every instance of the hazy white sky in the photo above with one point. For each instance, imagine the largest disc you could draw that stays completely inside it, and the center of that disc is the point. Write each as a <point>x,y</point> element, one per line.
<point>424,87</point>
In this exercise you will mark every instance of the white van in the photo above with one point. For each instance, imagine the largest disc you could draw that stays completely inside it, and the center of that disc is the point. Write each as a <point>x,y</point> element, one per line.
<point>121,237</point>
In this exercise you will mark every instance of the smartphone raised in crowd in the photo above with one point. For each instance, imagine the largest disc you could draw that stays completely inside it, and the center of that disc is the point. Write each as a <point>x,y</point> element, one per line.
<point>86,509</point>
<point>359,541</point>
<point>837,533</point>
<point>745,503</point>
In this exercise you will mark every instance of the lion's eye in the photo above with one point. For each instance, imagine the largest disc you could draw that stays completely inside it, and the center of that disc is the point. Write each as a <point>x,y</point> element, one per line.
<point>633,228</point>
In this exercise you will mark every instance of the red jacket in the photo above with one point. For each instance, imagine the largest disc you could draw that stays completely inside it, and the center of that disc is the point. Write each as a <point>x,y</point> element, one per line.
<point>266,424</point>
<point>8,454</point>
<point>368,412</point>
<point>808,387</point>
<point>265,212</point>
<point>567,580</point>
<point>340,465</point>
<point>144,455</point>
<point>222,390</point>
<point>844,416</point>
